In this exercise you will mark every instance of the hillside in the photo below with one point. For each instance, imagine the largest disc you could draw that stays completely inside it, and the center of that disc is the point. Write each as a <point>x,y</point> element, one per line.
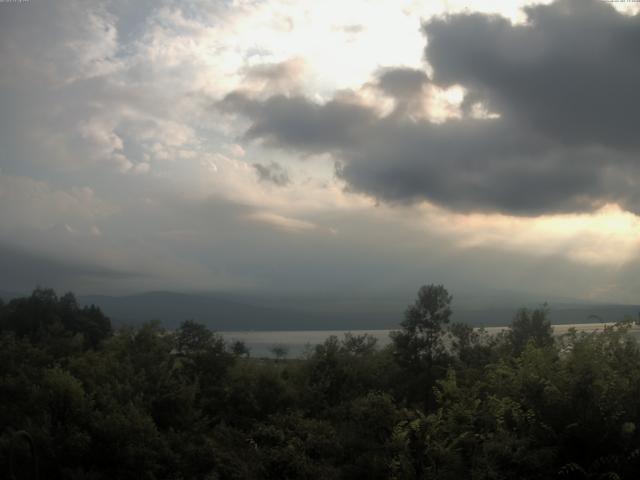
<point>232,312</point>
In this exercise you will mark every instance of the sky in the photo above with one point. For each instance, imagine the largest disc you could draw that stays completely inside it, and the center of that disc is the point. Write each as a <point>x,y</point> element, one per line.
<point>364,147</point>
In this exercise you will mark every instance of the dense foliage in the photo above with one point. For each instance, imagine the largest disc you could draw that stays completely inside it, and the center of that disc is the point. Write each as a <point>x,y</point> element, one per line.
<point>443,401</point>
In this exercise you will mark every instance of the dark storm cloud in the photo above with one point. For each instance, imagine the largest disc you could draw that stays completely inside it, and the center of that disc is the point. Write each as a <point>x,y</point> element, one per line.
<point>272,173</point>
<point>402,83</point>
<point>564,85</point>
<point>476,166</point>
<point>299,123</point>
<point>406,86</point>
<point>572,71</point>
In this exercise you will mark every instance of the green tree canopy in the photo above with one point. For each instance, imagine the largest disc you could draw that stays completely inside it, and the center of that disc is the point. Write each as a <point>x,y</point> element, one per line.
<point>420,341</point>
<point>531,326</point>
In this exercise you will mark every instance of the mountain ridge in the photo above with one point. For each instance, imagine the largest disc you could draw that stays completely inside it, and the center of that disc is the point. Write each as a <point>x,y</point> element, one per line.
<point>228,312</point>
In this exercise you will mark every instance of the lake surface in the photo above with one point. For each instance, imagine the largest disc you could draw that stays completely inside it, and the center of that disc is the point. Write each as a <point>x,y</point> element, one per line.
<point>297,342</point>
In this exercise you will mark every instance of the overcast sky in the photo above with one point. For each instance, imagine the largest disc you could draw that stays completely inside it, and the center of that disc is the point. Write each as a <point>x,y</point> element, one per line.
<point>299,146</point>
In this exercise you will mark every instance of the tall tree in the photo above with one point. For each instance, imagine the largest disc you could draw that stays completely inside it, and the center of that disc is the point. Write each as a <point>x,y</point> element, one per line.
<point>419,342</point>
<point>531,326</point>
<point>419,345</point>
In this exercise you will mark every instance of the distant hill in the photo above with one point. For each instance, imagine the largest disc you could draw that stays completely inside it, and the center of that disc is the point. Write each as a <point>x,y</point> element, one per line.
<point>217,312</point>
<point>227,312</point>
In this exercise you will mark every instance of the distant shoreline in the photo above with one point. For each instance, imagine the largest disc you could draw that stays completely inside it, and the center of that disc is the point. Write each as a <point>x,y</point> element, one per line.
<point>296,342</point>
<point>580,327</point>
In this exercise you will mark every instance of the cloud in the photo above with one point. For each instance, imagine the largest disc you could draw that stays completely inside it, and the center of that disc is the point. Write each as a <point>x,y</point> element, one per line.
<point>407,87</point>
<point>563,137</point>
<point>272,173</point>
<point>571,72</point>
<point>29,203</point>
<point>285,223</point>
<point>89,91</point>
<point>275,77</point>
<point>402,83</point>
<point>300,123</point>
<point>64,42</point>
<point>352,29</point>
<point>465,165</point>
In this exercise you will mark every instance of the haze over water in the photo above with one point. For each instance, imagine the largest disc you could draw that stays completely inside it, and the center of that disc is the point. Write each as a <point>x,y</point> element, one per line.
<point>297,342</point>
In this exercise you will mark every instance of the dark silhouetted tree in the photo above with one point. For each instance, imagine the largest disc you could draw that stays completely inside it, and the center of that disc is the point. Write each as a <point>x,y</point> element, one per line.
<point>239,348</point>
<point>531,326</point>
<point>420,341</point>
<point>419,345</point>
<point>193,337</point>
<point>279,351</point>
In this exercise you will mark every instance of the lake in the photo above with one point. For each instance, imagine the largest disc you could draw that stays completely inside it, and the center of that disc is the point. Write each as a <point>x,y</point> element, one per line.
<point>297,342</point>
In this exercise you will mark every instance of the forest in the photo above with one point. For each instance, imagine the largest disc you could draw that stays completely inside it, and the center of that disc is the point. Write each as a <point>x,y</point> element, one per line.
<point>80,400</point>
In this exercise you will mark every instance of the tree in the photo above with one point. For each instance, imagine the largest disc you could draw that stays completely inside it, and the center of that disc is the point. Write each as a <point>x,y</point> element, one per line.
<point>44,315</point>
<point>240,349</point>
<point>531,327</point>
<point>419,342</point>
<point>359,345</point>
<point>205,360</point>
<point>419,345</point>
<point>95,326</point>
<point>279,351</point>
<point>193,337</point>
